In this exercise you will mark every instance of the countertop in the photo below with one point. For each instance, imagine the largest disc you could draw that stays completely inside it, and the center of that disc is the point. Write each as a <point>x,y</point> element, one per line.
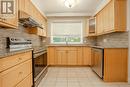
<point>76,45</point>
<point>64,45</point>
<point>8,52</point>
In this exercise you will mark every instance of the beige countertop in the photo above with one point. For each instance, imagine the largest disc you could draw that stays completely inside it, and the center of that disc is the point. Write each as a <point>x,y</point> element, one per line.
<point>76,45</point>
<point>62,45</point>
<point>7,52</point>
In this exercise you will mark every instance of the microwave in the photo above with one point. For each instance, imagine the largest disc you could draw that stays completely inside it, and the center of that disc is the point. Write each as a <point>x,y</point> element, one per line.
<point>92,25</point>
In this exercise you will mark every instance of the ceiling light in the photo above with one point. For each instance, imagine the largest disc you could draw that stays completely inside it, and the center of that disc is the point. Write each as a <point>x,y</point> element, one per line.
<point>70,3</point>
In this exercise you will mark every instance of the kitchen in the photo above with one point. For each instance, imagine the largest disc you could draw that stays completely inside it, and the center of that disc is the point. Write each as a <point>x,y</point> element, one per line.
<point>64,43</point>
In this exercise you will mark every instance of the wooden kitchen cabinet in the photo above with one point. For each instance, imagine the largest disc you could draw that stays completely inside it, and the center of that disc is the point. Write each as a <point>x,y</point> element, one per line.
<point>36,31</point>
<point>24,5</point>
<point>20,71</point>
<point>87,56</point>
<point>75,56</point>
<point>28,9</point>
<point>51,56</point>
<point>116,65</point>
<point>80,56</point>
<point>27,80</point>
<point>66,56</point>
<point>61,57</point>
<point>11,61</point>
<point>10,22</point>
<point>112,18</point>
<point>72,56</point>
<point>91,27</point>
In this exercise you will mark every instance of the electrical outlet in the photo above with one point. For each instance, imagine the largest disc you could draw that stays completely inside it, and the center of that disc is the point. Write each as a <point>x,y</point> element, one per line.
<point>44,41</point>
<point>105,40</point>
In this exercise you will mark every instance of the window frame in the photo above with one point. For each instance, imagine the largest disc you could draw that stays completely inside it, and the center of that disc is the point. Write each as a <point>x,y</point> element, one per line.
<point>68,21</point>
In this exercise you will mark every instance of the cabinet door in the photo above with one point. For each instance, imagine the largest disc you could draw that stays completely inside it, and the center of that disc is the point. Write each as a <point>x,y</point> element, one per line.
<point>19,72</point>
<point>99,23</point>
<point>72,57</point>
<point>27,82</point>
<point>80,56</point>
<point>27,6</point>
<point>11,21</point>
<point>86,55</point>
<point>115,65</point>
<point>51,56</point>
<point>109,9</point>
<point>61,57</point>
<point>21,5</point>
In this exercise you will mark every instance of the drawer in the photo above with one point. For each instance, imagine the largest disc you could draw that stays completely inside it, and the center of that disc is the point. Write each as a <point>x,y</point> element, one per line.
<point>12,76</point>
<point>62,48</point>
<point>27,82</point>
<point>73,48</point>
<point>10,61</point>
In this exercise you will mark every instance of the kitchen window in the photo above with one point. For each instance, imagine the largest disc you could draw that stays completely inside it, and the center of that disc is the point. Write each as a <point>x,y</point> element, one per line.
<point>66,33</point>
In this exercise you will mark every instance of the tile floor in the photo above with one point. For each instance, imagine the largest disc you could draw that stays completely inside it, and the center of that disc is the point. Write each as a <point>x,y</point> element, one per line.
<point>75,77</point>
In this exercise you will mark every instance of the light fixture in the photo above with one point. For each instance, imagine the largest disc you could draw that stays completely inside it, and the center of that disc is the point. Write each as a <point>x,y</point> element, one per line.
<point>70,3</point>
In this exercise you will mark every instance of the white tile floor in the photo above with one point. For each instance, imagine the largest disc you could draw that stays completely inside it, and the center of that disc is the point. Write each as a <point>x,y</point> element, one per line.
<point>75,77</point>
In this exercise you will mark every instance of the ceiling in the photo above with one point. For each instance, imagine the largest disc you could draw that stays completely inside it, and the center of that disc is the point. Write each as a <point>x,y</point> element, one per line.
<point>57,7</point>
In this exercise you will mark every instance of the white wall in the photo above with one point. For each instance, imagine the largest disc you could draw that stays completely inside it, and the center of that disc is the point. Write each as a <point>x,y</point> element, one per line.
<point>128,28</point>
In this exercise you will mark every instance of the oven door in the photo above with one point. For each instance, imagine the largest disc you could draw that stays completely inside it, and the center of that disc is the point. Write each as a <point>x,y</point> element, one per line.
<point>40,64</point>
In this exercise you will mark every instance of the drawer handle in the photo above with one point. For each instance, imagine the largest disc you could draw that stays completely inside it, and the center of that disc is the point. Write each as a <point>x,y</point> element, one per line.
<point>20,58</point>
<point>20,73</point>
<point>4,19</point>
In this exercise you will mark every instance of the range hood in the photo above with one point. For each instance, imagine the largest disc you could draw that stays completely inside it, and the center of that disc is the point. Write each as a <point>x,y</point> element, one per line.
<point>27,21</point>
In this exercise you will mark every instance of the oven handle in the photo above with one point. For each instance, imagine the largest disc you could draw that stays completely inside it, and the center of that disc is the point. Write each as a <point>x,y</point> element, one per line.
<point>35,55</point>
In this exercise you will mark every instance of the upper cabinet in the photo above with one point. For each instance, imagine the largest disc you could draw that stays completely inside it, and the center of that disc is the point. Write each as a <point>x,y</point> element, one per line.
<point>10,20</point>
<point>91,27</point>
<point>112,18</point>
<point>28,9</point>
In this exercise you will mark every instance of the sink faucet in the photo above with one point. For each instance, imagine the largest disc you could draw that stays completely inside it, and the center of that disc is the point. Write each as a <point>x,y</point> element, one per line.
<point>66,41</point>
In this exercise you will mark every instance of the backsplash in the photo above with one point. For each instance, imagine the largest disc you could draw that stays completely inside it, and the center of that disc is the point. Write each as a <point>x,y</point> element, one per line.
<point>113,40</point>
<point>36,40</point>
<point>90,41</point>
<point>108,40</point>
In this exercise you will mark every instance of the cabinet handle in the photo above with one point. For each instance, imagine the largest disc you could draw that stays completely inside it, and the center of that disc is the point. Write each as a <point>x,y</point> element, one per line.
<point>4,19</point>
<point>20,73</point>
<point>20,58</point>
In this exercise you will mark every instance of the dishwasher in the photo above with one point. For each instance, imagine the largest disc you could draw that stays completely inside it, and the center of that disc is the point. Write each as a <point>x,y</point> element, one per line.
<point>98,61</point>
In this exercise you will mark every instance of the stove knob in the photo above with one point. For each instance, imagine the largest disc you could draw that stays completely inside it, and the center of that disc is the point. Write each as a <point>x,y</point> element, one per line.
<point>12,39</point>
<point>15,39</point>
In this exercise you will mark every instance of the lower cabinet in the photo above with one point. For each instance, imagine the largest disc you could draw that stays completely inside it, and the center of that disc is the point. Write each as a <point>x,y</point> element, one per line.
<point>69,56</point>
<point>72,57</point>
<point>66,56</point>
<point>61,57</point>
<point>19,75</point>
<point>87,55</point>
<point>27,80</point>
<point>116,65</point>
